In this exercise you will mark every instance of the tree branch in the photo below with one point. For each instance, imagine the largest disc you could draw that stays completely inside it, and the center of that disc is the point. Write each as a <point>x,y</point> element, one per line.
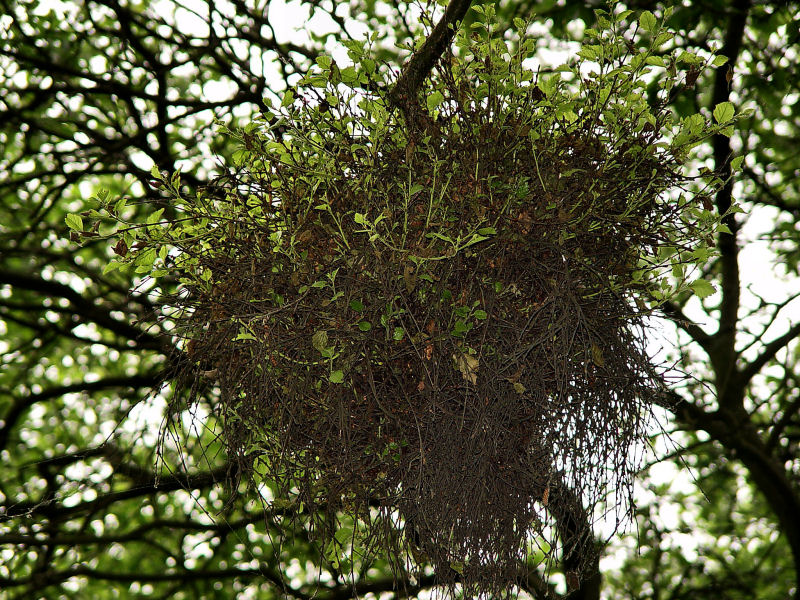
<point>22,403</point>
<point>724,354</point>
<point>404,93</point>
<point>769,352</point>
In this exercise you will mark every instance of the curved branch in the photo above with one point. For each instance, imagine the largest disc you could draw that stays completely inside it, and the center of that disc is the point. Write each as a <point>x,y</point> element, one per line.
<point>419,66</point>
<point>21,404</point>
<point>85,307</point>
<point>741,438</point>
<point>769,352</point>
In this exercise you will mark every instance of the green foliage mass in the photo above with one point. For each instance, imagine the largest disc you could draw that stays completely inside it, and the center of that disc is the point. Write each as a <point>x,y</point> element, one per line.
<point>92,93</point>
<point>351,240</point>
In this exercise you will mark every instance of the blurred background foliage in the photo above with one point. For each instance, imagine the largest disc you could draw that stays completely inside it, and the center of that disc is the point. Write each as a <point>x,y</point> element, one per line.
<point>92,505</point>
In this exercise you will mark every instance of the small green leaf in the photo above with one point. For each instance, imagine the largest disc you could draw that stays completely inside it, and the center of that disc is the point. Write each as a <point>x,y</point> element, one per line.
<point>695,123</point>
<point>324,62</point>
<point>648,21</point>
<point>364,326</point>
<point>111,266</point>
<point>398,334</point>
<point>487,231</point>
<point>434,100</point>
<point>480,315</point>
<point>662,38</point>
<point>457,566</point>
<point>320,340</point>
<point>724,112</point>
<point>336,377</point>
<point>154,218</point>
<point>719,60</point>
<point>356,305</point>
<point>349,75</point>
<point>736,163</point>
<point>702,288</point>
<point>156,173</point>
<point>597,355</point>
<point>74,222</point>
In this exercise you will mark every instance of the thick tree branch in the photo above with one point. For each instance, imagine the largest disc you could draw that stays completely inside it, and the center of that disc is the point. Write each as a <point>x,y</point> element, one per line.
<point>86,308</point>
<point>21,404</point>
<point>768,352</point>
<point>674,312</point>
<point>724,355</point>
<point>54,510</point>
<point>735,433</point>
<point>404,93</point>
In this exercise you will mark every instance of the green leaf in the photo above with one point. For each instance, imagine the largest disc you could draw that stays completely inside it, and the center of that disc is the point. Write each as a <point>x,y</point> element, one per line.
<point>111,266</point>
<point>356,305</point>
<point>480,315</point>
<point>364,326</point>
<point>156,173</point>
<point>648,21</point>
<point>434,100</point>
<point>695,123</point>
<point>736,163</point>
<point>457,566</point>
<point>724,112</point>
<point>320,340</point>
<point>336,377</point>
<point>154,218</point>
<point>120,205</point>
<point>719,60</point>
<point>349,75</point>
<point>74,222</point>
<point>398,334</point>
<point>487,231</point>
<point>324,61</point>
<point>662,38</point>
<point>702,288</point>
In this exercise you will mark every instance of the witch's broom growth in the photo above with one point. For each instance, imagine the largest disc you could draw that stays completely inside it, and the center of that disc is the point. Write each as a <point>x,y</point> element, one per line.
<point>420,304</point>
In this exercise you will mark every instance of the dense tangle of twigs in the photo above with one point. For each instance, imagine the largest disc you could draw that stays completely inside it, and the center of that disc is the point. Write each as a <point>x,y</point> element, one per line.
<point>465,399</point>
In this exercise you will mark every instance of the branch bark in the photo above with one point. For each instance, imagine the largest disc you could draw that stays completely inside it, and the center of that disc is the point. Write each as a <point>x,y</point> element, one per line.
<point>723,354</point>
<point>404,93</point>
<point>739,436</point>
